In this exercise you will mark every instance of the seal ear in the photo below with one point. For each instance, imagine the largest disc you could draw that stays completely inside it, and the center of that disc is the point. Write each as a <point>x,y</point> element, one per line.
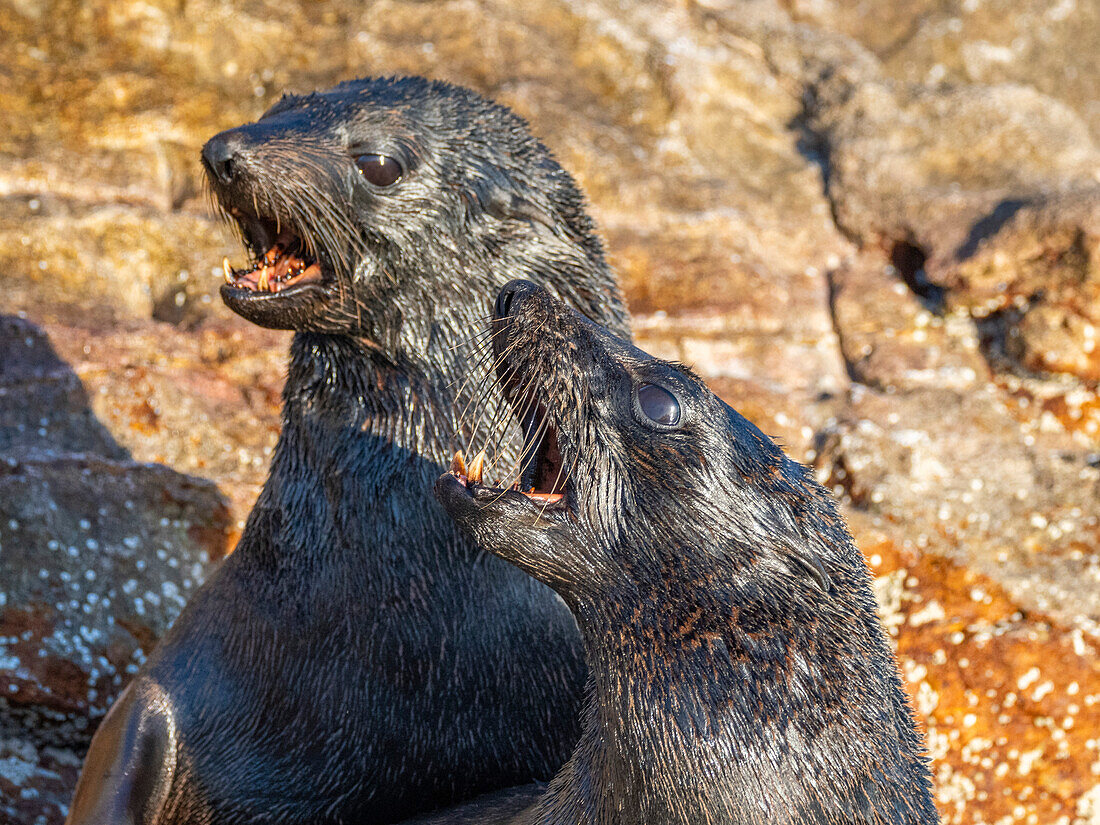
<point>493,194</point>
<point>806,562</point>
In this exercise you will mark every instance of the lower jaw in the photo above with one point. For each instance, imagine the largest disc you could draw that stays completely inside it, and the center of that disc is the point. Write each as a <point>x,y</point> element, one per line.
<point>300,307</point>
<point>471,477</point>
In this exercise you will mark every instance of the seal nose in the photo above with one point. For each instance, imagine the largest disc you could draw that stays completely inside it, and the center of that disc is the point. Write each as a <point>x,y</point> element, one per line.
<point>219,156</point>
<point>507,295</point>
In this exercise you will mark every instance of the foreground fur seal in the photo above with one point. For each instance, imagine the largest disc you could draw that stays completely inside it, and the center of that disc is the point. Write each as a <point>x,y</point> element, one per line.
<point>738,673</point>
<point>356,660</point>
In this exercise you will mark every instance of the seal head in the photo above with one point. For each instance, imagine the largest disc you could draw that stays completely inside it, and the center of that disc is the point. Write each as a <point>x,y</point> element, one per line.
<point>738,672</point>
<point>364,197</point>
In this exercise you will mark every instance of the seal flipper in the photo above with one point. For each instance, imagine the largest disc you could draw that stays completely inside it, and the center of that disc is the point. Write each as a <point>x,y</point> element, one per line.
<point>131,762</point>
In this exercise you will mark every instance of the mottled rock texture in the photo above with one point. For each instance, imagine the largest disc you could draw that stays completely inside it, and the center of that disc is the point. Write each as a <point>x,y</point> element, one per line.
<point>875,226</point>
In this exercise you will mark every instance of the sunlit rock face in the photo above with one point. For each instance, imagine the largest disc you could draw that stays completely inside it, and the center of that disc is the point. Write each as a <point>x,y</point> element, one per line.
<point>873,227</point>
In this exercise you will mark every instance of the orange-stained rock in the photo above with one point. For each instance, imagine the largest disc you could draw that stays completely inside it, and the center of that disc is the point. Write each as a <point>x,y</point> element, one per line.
<point>1009,699</point>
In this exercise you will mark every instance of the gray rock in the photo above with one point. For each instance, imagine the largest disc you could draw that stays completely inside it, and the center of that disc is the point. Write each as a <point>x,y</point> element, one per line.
<point>98,554</point>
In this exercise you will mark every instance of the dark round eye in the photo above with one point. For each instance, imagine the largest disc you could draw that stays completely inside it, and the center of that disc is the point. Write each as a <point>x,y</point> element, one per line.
<point>659,404</point>
<point>381,170</point>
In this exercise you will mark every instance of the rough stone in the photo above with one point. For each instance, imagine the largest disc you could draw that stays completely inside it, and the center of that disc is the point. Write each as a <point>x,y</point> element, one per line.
<point>1053,47</point>
<point>1033,283</point>
<point>892,338</point>
<point>98,554</point>
<point>960,474</point>
<point>920,165</point>
<point>871,226</point>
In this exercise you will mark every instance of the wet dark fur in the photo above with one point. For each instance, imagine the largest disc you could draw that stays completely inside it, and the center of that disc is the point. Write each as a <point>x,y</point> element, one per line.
<point>357,659</point>
<point>738,671</point>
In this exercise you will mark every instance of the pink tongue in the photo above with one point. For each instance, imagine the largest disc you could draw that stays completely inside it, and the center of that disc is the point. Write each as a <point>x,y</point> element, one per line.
<point>549,498</point>
<point>277,269</point>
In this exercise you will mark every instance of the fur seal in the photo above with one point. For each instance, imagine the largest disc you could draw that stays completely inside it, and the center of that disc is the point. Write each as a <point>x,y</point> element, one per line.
<point>357,659</point>
<point>738,672</point>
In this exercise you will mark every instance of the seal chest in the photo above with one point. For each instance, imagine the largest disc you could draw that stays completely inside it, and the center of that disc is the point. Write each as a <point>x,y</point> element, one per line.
<point>357,658</point>
<point>737,670</point>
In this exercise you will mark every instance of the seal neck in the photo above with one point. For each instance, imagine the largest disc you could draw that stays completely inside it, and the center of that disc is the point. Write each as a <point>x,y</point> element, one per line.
<point>728,714</point>
<point>363,439</point>
<point>651,743</point>
<point>341,388</point>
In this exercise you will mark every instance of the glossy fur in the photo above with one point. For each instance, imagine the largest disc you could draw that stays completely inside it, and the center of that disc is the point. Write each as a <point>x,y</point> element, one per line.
<point>738,672</point>
<point>357,658</point>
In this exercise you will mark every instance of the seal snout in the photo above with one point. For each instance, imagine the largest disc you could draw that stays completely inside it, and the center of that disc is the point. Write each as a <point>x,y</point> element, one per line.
<point>282,256</point>
<point>540,474</point>
<point>219,156</point>
<point>274,182</point>
<point>506,298</point>
<point>229,155</point>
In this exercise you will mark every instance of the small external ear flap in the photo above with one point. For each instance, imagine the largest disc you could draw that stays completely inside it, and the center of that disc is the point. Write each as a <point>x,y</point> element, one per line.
<point>494,194</point>
<point>523,209</point>
<point>809,564</point>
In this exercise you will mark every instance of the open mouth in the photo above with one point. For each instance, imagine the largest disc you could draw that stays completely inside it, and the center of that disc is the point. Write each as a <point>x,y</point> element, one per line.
<point>282,260</point>
<point>541,476</point>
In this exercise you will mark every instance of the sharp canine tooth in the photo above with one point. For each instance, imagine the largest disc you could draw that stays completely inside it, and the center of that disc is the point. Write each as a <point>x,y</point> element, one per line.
<point>476,466</point>
<point>458,464</point>
<point>228,272</point>
<point>261,284</point>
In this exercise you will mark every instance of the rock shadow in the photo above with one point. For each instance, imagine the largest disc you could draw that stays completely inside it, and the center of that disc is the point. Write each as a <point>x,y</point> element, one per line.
<point>44,407</point>
<point>989,225</point>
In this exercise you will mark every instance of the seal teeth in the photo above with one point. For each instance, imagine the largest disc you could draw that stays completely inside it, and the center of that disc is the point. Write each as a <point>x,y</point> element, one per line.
<point>262,284</point>
<point>476,467</point>
<point>227,271</point>
<point>458,464</point>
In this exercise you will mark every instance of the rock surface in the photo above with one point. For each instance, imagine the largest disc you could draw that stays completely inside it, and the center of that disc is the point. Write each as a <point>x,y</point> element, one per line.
<point>99,553</point>
<point>875,227</point>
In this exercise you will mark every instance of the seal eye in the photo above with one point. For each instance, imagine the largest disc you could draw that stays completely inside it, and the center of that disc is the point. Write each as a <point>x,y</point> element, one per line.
<point>381,170</point>
<point>659,405</point>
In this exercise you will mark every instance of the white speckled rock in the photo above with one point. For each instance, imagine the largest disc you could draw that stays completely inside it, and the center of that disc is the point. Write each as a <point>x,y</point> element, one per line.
<point>97,556</point>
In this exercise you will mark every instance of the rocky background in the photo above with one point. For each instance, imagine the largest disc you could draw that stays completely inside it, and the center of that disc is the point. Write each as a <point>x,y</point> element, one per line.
<point>875,227</point>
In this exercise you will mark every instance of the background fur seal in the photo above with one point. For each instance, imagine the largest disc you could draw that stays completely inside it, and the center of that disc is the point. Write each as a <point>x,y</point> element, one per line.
<point>738,672</point>
<point>354,660</point>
